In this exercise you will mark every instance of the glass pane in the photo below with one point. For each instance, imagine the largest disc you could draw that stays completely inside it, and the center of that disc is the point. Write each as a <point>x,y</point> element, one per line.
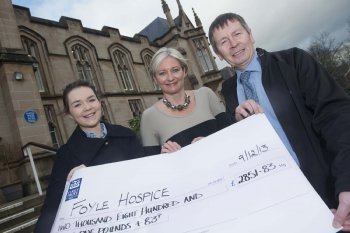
<point>53,130</point>
<point>128,80</point>
<point>39,81</point>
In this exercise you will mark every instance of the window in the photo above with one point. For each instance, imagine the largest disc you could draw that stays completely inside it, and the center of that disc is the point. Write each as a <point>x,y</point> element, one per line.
<point>147,60</point>
<point>203,55</point>
<point>123,70</point>
<point>105,114</point>
<point>83,63</point>
<point>136,107</point>
<point>31,48</point>
<point>53,127</point>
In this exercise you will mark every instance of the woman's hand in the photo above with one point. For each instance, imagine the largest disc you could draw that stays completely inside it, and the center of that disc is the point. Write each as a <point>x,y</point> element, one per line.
<point>196,139</point>
<point>169,147</point>
<point>70,174</point>
<point>247,109</point>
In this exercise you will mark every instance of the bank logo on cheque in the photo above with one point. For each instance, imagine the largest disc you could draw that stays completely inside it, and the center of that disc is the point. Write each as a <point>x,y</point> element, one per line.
<point>73,190</point>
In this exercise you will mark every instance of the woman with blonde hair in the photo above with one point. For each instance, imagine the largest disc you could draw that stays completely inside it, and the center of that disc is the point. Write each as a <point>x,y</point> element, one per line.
<point>182,116</point>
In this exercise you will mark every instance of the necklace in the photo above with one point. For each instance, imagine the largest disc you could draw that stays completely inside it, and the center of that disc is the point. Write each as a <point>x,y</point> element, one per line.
<point>179,107</point>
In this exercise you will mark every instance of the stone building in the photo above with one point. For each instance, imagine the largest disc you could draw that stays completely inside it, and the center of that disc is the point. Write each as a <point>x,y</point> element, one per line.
<point>38,57</point>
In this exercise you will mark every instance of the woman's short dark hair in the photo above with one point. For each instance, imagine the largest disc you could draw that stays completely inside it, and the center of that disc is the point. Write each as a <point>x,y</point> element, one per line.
<point>73,85</point>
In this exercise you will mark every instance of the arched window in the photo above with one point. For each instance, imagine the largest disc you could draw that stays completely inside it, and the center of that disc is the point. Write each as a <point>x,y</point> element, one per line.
<point>147,60</point>
<point>124,70</point>
<point>203,55</point>
<point>83,63</point>
<point>32,49</point>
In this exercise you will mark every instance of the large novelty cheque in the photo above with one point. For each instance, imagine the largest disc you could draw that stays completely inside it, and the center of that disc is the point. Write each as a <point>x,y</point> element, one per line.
<point>240,179</point>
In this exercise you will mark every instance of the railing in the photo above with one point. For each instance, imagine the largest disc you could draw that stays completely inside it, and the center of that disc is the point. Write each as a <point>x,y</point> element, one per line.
<point>28,152</point>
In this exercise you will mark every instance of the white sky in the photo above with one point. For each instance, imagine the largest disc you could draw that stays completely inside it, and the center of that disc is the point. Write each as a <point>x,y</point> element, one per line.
<point>276,24</point>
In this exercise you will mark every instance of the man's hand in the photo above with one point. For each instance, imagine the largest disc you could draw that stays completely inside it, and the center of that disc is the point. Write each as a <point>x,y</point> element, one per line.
<point>247,109</point>
<point>342,214</point>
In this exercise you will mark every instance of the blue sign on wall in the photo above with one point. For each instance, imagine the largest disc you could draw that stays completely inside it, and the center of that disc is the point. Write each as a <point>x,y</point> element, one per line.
<point>30,116</point>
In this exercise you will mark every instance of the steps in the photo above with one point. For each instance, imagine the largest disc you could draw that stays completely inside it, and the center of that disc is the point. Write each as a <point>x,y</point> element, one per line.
<point>21,215</point>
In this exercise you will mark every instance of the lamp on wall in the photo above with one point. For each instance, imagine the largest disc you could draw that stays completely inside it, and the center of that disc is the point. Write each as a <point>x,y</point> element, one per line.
<point>18,76</point>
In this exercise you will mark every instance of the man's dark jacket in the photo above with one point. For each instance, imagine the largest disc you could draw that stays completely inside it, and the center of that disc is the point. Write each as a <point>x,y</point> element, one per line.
<point>119,144</point>
<point>314,113</point>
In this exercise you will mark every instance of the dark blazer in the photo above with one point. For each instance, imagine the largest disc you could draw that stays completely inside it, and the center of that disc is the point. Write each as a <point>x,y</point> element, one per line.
<point>314,113</point>
<point>119,144</point>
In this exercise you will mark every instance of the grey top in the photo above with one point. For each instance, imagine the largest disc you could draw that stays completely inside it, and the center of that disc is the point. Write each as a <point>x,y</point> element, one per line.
<point>157,127</point>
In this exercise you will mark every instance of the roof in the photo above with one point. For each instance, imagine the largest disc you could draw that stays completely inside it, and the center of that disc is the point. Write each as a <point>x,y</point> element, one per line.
<point>157,28</point>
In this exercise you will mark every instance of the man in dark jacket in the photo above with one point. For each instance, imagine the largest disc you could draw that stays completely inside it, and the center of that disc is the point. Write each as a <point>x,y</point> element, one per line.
<point>304,104</point>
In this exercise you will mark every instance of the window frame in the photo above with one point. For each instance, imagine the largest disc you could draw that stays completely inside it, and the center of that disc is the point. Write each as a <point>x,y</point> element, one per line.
<point>32,49</point>
<point>83,63</point>
<point>136,107</point>
<point>52,122</point>
<point>203,55</point>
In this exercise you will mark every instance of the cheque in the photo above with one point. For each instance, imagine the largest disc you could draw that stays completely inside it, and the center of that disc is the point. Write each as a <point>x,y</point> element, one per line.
<point>240,179</point>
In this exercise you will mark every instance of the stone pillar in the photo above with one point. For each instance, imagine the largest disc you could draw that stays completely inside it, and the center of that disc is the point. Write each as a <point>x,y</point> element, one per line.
<point>9,35</point>
<point>19,95</point>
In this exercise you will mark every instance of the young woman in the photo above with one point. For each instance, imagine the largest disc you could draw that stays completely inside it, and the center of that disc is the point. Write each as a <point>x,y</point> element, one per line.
<point>93,142</point>
<point>182,116</point>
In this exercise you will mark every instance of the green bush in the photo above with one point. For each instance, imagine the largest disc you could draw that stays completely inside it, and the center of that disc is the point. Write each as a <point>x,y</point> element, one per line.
<point>134,124</point>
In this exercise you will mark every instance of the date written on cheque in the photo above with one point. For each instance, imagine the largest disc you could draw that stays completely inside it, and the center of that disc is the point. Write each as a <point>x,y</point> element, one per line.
<point>259,171</point>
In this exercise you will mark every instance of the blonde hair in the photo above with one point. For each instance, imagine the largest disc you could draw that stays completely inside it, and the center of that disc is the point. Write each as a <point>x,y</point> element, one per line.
<point>163,53</point>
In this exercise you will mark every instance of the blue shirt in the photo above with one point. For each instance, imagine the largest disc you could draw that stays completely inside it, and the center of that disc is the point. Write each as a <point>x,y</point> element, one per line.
<point>93,135</point>
<point>255,79</point>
